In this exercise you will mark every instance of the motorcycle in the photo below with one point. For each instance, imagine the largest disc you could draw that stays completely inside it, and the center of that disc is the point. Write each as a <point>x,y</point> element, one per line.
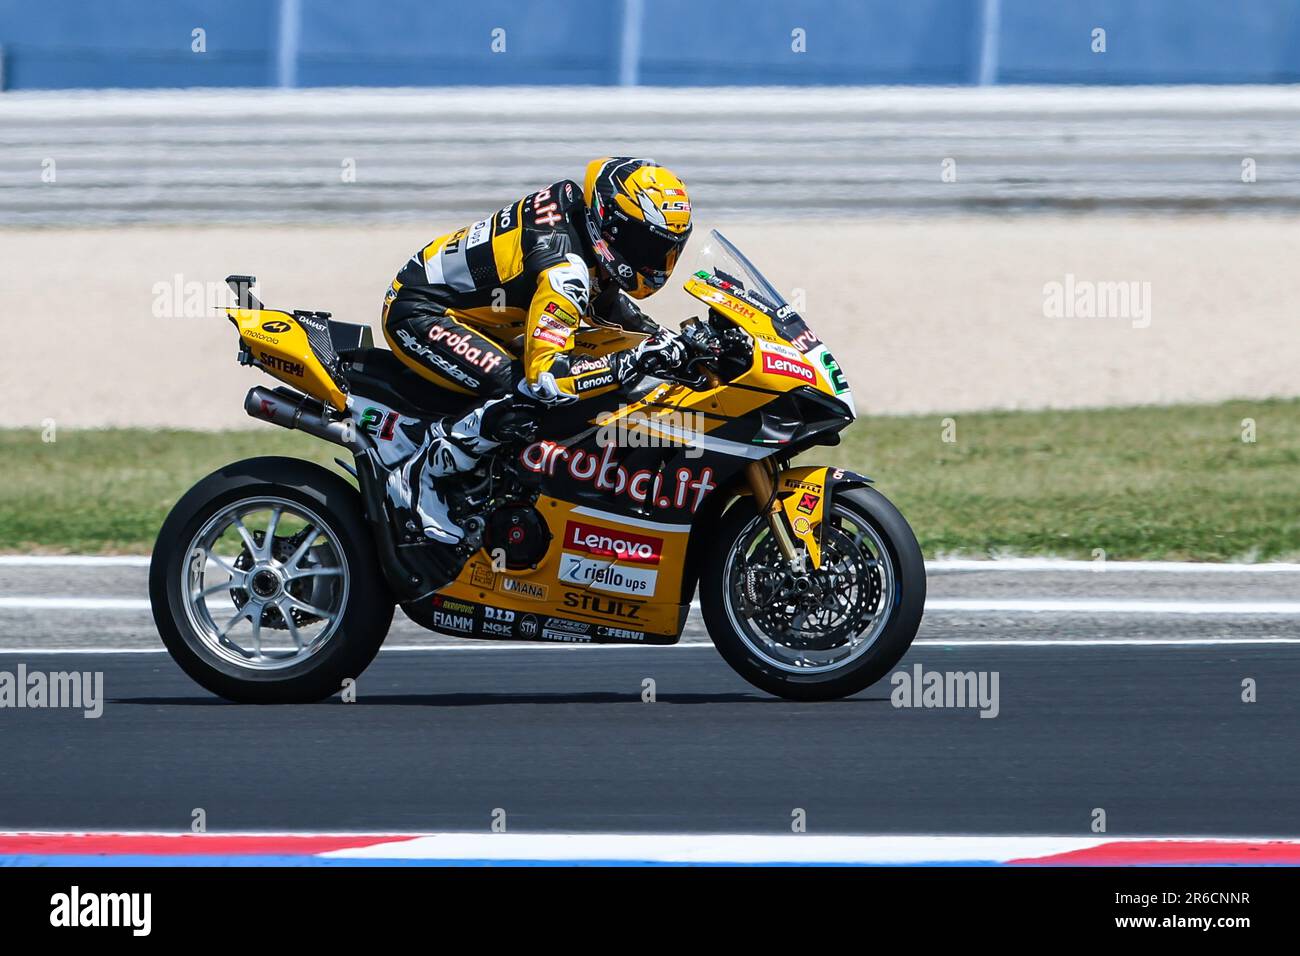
<point>274,580</point>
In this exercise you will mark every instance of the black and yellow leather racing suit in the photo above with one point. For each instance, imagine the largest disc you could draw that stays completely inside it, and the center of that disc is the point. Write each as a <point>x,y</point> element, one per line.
<point>499,301</point>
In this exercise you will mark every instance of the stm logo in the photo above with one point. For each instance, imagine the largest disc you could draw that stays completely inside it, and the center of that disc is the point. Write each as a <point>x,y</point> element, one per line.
<point>791,368</point>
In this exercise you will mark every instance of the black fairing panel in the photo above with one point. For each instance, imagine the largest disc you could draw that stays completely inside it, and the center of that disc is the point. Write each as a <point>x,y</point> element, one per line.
<point>381,375</point>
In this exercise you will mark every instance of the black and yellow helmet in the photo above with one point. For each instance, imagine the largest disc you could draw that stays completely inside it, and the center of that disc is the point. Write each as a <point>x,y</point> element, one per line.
<point>639,217</point>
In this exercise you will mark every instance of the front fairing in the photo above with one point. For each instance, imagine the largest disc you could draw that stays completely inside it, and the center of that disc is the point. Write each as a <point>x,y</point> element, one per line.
<point>787,353</point>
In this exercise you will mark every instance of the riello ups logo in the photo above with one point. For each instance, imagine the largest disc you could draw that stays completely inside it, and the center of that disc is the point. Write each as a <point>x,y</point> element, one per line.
<point>621,562</point>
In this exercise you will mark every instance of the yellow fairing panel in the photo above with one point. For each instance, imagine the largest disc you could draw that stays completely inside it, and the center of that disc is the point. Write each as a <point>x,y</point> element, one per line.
<point>280,347</point>
<point>778,365</point>
<point>748,317</point>
<point>641,594</point>
<point>805,497</point>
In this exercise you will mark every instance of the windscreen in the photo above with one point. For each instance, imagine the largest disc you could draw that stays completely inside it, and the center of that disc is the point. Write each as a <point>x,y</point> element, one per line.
<point>722,260</point>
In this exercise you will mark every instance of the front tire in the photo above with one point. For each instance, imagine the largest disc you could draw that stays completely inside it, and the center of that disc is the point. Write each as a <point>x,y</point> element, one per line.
<point>265,584</point>
<point>871,596</point>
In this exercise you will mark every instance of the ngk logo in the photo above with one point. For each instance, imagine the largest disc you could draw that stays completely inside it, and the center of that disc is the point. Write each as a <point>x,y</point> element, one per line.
<point>607,543</point>
<point>780,365</point>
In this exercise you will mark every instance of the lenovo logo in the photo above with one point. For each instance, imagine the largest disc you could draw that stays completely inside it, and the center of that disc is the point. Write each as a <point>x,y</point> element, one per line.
<point>618,545</point>
<point>780,365</point>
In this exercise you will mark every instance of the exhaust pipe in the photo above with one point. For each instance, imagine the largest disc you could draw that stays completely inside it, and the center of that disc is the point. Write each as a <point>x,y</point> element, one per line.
<point>289,409</point>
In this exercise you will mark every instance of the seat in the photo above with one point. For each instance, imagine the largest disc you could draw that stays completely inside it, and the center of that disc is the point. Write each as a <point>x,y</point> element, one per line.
<point>381,375</point>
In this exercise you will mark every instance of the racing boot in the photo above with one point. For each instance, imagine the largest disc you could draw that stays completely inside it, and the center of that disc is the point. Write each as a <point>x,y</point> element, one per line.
<point>452,447</point>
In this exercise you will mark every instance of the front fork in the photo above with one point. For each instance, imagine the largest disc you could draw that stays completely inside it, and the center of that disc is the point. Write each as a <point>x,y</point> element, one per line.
<point>794,501</point>
<point>760,478</point>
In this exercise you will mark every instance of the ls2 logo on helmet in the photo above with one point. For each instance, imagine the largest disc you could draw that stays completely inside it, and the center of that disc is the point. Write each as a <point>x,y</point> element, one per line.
<point>276,326</point>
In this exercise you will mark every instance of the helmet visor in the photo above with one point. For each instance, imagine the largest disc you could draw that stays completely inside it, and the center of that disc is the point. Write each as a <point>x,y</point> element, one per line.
<point>644,247</point>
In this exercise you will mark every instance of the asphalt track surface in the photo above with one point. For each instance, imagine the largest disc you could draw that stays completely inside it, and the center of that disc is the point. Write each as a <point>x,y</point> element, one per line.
<point>559,738</point>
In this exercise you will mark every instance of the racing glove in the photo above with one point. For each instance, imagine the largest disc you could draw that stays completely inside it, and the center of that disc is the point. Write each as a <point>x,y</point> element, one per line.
<point>662,352</point>
<point>543,392</point>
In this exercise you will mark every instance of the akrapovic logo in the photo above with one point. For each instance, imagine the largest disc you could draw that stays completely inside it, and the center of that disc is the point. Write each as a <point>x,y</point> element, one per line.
<point>607,543</point>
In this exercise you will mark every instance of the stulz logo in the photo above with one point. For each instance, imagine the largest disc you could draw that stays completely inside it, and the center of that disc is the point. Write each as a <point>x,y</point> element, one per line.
<point>608,543</point>
<point>780,365</point>
<point>595,604</point>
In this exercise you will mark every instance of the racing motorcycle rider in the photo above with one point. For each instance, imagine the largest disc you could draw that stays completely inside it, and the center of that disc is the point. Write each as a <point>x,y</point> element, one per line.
<point>534,270</point>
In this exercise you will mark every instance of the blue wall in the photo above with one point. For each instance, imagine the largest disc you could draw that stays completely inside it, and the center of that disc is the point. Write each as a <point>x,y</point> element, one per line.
<point>146,43</point>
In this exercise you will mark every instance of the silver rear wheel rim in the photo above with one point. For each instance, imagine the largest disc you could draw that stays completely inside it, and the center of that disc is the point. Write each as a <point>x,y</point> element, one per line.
<point>265,584</point>
<point>801,661</point>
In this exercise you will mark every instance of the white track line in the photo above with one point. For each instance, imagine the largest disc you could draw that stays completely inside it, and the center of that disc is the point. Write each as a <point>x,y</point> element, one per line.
<point>1107,567</point>
<point>1109,606</point>
<point>743,848</point>
<point>939,565</point>
<point>961,605</point>
<point>688,848</point>
<point>73,560</point>
<point>24,603</point>
<point>490,645</point>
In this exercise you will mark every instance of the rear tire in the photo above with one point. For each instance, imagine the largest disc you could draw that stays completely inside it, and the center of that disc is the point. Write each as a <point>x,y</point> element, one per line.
<point>350,637</point>
<point>905,606</point>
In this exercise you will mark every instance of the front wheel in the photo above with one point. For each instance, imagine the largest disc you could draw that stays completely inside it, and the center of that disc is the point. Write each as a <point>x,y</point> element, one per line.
<point>264,583</point>
<point>828,632</point>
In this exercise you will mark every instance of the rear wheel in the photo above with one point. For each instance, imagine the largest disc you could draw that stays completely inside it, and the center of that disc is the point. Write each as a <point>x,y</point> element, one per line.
<point>264,583</point>
<point>828,632</point>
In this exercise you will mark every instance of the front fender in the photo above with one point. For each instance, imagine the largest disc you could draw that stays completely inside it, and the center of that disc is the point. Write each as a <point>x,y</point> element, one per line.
<point>805,493</point>
<point>819,480</point>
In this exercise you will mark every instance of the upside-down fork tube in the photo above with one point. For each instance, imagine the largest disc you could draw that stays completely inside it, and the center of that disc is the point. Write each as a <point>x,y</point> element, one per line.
<point>760,483</point>
<point>290,410</point>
